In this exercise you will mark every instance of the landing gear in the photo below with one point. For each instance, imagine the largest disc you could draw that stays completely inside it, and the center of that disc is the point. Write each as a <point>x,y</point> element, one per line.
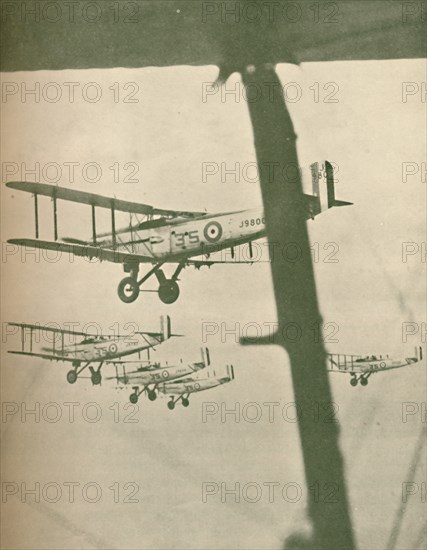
<point>169,291</point>
<point>128,290</point>
<point>71,376</point>
<point>133,398</point>
<point>152,395</point>
<point>96,378</point>
<point>95,375</point>
<point>363,379</point>
<point>129,287</point>
<point>173,402</point>
<point>168,288</point>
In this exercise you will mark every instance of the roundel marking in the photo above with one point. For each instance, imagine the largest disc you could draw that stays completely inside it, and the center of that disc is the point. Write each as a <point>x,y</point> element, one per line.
<point>112,348</point>
<point>197,386</point>
<point>165,374</point>
<point>212,232</point>
<point>382,365</point>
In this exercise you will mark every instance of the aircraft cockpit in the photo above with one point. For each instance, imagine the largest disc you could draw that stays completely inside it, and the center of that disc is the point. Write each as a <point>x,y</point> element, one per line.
<point>92,340</point>
<point>367,358</point>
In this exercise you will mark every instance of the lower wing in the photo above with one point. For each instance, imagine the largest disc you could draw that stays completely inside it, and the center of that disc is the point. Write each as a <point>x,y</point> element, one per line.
<point>44,356</point>
<point>117,256</point>
<point>90,251</point>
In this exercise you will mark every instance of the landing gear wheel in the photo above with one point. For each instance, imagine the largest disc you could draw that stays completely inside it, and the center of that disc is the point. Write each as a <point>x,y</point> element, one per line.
<point>133,398</point>
<point>185,402</point>
<point>152,396</point>
<point>96,378</point>
<point>353,381</point>
<point>364,381</point>
<point>169,291</point>
<point>128,290</point>
<point>171,405</point>
<point>71,376</point>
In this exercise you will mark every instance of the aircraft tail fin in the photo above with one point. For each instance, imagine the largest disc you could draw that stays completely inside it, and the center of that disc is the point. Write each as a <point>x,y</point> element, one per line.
<point>418,355</point>
<point>230,372</point>
<point>165,327</point>
<point>322,178</point>
<point>227,376</point>
<point>206,359</point>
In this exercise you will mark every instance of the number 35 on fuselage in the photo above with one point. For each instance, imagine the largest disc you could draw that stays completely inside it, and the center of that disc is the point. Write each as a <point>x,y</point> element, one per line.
<point>204,236</point>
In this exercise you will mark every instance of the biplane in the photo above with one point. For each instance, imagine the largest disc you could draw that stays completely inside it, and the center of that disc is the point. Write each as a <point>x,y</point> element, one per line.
<point>361,368</point>
<point>145,378</point>
<point>166,236</point>
<point>179,390</point>
<point>88,350</point>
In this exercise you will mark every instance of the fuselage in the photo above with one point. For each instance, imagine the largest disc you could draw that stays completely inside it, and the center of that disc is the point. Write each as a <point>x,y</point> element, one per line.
<point>183,238</point>
<point>191,385</point>
<point>109,348</point>
<point>159,374</point>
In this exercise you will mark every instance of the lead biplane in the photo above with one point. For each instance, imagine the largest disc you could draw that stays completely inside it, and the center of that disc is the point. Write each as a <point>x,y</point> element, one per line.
<point>88,349</point>
<point>166,236</point>
<point>179,390</point>
<point>361,368</point>
<point>151,375</point>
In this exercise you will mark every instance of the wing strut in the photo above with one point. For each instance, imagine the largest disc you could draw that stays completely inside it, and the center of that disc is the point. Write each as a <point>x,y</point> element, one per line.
<point>36,214</point>
<point>93,224</point>
<point>55,219</point>
<point>113,225</point>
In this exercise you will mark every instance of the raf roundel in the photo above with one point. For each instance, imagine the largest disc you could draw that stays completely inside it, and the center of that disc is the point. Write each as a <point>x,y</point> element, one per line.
<point>213,232</point>
<point>112,348</point>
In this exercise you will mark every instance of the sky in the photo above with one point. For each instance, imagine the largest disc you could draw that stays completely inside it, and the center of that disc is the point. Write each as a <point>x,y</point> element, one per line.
<point>171,135</point>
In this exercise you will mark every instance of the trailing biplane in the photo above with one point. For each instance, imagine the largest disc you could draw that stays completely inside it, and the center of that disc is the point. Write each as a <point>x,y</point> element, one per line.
<point>145,377</point>
<point>88,350</point>
<point>179,390</point>
<point>166,236</point>
<point>361,368</point>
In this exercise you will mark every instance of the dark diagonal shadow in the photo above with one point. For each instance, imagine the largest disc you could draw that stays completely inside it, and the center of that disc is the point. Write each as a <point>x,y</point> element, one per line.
<point>296,303</point>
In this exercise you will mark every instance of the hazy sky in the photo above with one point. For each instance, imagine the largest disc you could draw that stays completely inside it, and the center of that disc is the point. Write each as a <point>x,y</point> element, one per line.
<point>370,133</point>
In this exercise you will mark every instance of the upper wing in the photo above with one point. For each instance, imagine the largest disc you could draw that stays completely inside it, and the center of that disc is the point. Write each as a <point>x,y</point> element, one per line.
<point>51,329</point>
<point>97,200</point>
